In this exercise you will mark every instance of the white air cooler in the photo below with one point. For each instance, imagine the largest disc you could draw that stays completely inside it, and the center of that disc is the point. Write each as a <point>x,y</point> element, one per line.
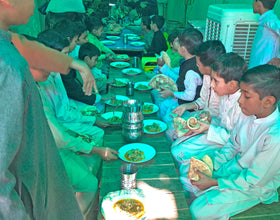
<point>233,24</point>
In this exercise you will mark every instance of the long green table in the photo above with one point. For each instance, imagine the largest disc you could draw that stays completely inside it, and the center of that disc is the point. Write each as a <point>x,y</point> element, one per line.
<point>158,178</point>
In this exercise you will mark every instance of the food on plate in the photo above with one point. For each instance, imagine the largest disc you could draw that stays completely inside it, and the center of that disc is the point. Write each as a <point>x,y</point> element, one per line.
<point>142,87</point>
<point>192,123</point>
<point>147,108</point>
<point>90,112</point>
<point>122,57</point>
<point>131,72</point>
<point>113,32</point>
<point>133,38</point>
<point>115,120</point>
<point>180,125</point>
<point>153,128</point>
<point>113,37</point>
<point>116,102</point>
<point>162,81</point>
<point>131,208</point>
<point>134,155</point>
<point>204,116</point>
<point>118,83</point>
<point>205,166</point>
<point>137,43</point>
<point>84,137</point>
<point>120,65</point>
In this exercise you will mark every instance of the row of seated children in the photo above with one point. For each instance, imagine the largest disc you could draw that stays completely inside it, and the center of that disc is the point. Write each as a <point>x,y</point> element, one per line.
<point>144,31</point>
<point>206,54</point>
<point>226,73</point>
<point>245,130</point>
<point>77,33</point>
<point>187,75</point>
<point>73,132</point>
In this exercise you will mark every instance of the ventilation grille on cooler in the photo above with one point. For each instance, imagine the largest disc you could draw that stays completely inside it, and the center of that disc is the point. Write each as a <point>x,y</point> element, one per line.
<point>243,38</point>
<point>213,30</point>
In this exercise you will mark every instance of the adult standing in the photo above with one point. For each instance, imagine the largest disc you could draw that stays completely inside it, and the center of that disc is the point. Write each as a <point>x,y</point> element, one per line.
<point>33,182</point>
<point>60,9</point>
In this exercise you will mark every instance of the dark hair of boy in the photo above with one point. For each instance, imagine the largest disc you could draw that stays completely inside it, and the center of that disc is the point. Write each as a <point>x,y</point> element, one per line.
<point>80,27</point>
<point>190,38</point>
<point>209,51</point>
<point>264,80</point>
<point>230,67</point>
<point>172,37</point>
<point>53,39</point>
<point>88,49</point>
<point>146,20</point>
<point>66,28</point>
<point>158,20</point>
<point>268,4</point>
<point>93,23</point>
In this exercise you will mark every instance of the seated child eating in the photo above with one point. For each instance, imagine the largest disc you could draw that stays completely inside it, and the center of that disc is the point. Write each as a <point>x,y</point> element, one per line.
<point>82,38</point>
<point>247,169</point>
<point>89,53</point>
<point>95,30</point>
<point>189,80</point>
<point>159,42</point>
<point>173,55</point>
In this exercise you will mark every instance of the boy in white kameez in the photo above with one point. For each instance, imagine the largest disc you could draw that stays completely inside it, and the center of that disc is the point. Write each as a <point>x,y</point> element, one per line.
<point>247,168</point>
<point>226,73</point>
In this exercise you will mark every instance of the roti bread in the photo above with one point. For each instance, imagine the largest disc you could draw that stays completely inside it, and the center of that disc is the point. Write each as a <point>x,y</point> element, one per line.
<point>192,123</point>
<point>161,80</point>
<point>180,125</point>
<point>201,166</point>
<point>206,159</point>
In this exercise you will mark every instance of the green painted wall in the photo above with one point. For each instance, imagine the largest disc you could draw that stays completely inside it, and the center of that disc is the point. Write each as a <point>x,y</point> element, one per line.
<point>197,9</point>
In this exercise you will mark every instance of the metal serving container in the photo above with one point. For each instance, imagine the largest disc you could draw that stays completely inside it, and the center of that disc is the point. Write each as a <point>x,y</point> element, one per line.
<point>132,120</point>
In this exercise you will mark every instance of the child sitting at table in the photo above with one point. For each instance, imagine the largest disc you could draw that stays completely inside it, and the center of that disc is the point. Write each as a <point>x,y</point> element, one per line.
<point>173,54</point>
<point>159,42</point>
<point>67,112</point>
<point>247,169</point>
<point>147,33</point>
<point>67,29</point>
<point>82,38</point>
<point>206,54</point>
<point>226,73</point>
<point>189,79</point>
<point>144,31</point>
<point>89,54</point>
<point>95,30</point>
